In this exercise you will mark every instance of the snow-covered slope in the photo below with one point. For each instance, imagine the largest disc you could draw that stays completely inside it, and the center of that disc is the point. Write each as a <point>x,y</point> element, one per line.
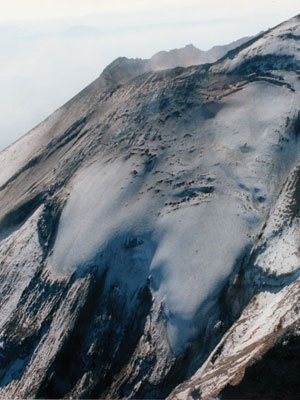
<point>271,319</point>
<point>145,234</point>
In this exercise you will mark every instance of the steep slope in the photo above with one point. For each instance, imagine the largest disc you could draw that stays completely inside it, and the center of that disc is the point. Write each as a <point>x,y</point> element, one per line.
<point>134,243</point>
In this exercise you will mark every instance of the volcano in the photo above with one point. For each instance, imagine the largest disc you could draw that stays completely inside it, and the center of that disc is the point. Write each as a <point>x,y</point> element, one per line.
<point>149,232</point>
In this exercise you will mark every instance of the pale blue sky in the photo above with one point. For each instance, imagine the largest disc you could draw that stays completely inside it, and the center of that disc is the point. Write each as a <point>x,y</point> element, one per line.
<point>37,9</point>
<point>50,49</point>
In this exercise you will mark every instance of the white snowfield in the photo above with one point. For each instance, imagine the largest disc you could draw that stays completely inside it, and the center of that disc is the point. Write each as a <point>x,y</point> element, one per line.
<point>134,212</point>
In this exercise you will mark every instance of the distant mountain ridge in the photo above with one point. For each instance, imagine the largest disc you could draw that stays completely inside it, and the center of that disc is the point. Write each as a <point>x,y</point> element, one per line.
<point>123,68</point>
<point>191,55</point>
